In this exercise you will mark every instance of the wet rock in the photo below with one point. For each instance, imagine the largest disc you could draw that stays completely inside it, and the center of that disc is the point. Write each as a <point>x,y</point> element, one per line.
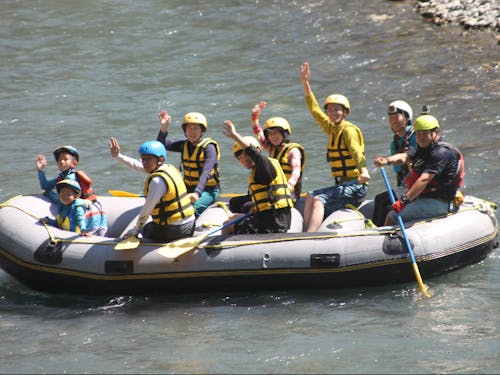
<point>471,14</point>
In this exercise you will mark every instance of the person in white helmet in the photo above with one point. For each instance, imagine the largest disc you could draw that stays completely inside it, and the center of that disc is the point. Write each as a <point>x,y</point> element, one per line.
<point>399,116</point>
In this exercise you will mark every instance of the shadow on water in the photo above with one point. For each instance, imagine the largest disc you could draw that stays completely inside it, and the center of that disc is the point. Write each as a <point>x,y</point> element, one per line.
<point>15,296</point>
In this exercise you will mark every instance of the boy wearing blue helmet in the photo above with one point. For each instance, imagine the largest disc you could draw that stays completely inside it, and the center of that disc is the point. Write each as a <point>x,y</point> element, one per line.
<point>75,214</point>
<point>167,199</point>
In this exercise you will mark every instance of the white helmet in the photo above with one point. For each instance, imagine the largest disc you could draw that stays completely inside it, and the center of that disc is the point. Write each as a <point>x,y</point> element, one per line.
<point>399,106</point>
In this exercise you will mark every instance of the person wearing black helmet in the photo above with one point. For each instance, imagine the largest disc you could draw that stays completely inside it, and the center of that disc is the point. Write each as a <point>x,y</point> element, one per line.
<point>167,201</point>
<point>67,158</point>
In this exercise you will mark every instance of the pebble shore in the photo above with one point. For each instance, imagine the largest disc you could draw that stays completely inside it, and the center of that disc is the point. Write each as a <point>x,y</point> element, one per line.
<point>470,14</point>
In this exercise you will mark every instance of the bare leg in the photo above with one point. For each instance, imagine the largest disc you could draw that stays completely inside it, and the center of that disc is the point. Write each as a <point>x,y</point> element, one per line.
<point>388,220</point>
<point>316,217</point>
<point>230,229</point>
<point>307,211</point>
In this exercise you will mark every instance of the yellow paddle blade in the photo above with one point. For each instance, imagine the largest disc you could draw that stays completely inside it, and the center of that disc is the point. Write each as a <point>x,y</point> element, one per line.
<point>175,249</point>
<point>121,193</point>
<point>424,289</point>
<point>130,243</point>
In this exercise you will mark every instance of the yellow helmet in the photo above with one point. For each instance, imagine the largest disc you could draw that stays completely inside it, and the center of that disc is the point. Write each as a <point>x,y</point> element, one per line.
<point>338,99</point>
<point>195,118</point>
<point>426,122</point>
<point>278,122</point>
<point>237,148</point>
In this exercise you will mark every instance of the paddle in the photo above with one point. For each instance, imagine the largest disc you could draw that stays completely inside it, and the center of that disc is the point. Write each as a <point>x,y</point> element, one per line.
<point>173,250</point>
<point>423,287</point>
<point>130,243</point>
<point>121,193</point>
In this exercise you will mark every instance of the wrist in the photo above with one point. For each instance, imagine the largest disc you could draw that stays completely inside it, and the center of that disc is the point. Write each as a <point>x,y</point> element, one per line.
<point>404,199</point>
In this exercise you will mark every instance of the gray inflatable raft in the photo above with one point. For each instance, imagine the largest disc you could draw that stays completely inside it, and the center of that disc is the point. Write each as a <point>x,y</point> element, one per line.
<point>345,252</point>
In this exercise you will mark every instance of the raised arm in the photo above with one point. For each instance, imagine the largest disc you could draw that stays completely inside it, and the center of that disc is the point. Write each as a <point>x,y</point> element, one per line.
<point>230,132</point>
<point>305,76</point>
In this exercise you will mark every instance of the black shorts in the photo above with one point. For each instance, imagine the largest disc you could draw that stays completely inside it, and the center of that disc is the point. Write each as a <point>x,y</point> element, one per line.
<point>270,221</point>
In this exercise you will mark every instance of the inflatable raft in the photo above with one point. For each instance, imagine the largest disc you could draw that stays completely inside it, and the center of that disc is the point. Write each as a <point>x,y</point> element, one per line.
<point>346,252</point>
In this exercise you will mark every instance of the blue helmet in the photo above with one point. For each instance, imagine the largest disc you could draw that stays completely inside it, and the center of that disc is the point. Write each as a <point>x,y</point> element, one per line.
<point>69,149</point>
<point>69,183</point>
<point>153,148</point>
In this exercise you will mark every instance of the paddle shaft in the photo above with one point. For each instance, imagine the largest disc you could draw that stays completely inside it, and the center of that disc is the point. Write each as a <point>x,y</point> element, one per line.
<point>228,224</point>
<point>423,288</point>
<point>400,220</point>
<point>173,250</point>
<point>122,193</point>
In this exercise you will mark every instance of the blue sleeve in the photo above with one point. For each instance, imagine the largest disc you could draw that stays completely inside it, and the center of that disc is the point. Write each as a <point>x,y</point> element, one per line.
<point>79,217</point>
<point>52,195</point>
<point>44,183</point>
<point>52,222</point>
<point>413,140</point>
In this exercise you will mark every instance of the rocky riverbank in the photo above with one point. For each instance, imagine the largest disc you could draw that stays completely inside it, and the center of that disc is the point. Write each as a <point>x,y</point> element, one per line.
<point>471,14</point>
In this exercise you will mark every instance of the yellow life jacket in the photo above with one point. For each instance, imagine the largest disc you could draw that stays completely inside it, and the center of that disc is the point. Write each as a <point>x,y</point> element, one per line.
<point>175,205</point>
<point>338,155</point>
<point>275,195</point>
<point>282,156</point>
<point>193,164</point>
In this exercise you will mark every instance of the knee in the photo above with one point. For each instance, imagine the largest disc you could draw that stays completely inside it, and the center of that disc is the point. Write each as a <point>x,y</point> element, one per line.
<point>317,202</point>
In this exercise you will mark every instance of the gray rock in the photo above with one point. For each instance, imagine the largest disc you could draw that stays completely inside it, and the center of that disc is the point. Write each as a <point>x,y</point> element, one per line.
<point>471,14</point>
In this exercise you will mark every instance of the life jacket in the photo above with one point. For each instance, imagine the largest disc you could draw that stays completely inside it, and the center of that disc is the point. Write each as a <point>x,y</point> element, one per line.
<point>399,146</point>
<point>338,155</point>
<point>435,185</point>
<point>95,217</point>
<point>282,154</point>
<point>193,164</point>
<point>65,215</point>
<point>274,195</point>
<point>85,182</point>
<point>175,205</point>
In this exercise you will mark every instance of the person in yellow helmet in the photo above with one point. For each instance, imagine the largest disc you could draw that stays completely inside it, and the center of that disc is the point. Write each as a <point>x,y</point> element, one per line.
<point>345,153</point>
<point>267,185</point>
<point>200,158</point>
<point>437,172</point>
<point>275,138</point>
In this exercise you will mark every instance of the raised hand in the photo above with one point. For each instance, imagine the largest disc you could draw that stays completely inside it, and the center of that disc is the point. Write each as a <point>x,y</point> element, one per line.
<point>114,147</point>
<point>305,72</point>
<point>257,109</point>
<point>41,162</point>
<point>165,120</point>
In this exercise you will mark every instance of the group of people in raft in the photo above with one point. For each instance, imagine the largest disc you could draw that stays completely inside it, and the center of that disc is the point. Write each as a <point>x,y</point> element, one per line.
<point>429,173</point>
